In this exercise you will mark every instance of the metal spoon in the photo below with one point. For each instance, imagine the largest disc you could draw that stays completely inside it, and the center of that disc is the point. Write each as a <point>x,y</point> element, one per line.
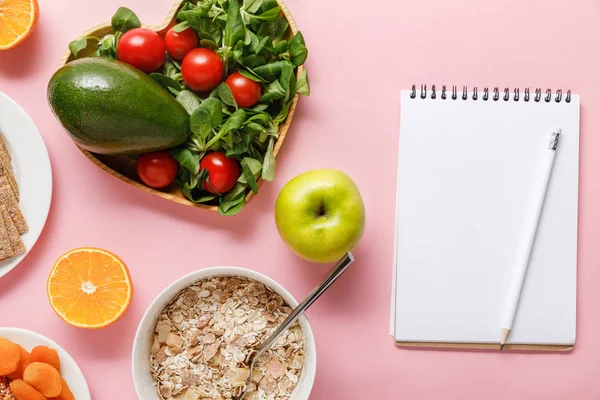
<point>335,273</point>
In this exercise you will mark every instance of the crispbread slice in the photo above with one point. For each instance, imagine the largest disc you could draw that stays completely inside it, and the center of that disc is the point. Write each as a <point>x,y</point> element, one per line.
<point>4,149</point>
<point>16,243</point>
<point>7,172</point>
<point>6,251</point>
<point>4,182</point>
<point>8,200</point>
<point>6,168</point>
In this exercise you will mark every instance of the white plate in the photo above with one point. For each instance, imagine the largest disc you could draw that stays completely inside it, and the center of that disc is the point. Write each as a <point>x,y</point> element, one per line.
<point>68,367</point>
<point>32,171</point>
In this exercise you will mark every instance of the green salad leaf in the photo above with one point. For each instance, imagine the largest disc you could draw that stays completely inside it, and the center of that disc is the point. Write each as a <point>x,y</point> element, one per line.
<point>124,20</point>
<point>107,47</point>
<point>189,100</point>
<point>165,81</point>
<point>302,86</point>
<point>268,169</point>
<point>226,95</point>
<point>77,45</point>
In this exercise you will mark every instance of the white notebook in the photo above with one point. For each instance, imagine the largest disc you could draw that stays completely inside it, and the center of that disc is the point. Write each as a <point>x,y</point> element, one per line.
<point>465,167</point>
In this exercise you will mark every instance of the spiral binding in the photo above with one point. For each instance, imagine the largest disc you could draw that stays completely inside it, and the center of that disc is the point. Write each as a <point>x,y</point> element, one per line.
<point>496,96</point>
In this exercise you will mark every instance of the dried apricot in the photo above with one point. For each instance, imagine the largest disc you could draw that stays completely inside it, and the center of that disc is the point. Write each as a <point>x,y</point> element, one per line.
<point>9,357</point>
<point>22,391</point>
<point>23,363</point>
<point>45,355</point>
<point>44,378</point>
<point>65,394</point>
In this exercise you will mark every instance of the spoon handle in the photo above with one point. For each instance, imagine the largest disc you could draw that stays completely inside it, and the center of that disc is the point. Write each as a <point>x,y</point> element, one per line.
<point>335,273</point>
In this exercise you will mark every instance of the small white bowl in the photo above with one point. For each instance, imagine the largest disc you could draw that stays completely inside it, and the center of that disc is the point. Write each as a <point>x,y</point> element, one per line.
<point>68,367</point>
<point>142,378</point>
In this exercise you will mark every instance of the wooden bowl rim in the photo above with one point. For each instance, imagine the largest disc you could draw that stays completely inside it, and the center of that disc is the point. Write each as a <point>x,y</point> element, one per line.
<point>171,16</point>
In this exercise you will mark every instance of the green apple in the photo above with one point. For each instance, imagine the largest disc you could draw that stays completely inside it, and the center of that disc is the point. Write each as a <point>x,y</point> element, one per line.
<point>320,215</point>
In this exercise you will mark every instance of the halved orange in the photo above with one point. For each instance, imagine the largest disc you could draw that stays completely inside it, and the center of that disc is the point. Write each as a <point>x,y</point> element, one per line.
<point>89,288</point>
<point>17,20</point>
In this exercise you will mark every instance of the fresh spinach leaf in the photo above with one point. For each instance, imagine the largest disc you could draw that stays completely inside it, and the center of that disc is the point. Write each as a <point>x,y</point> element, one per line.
<point>234,200</point>
<point>273,91</point>
<point>235,29</point>
<point>302,86</point>
<point>255,167</point>
<point>212,28</point>
<point>201,123</point>
<point>235,121</point>
<point>209,44</point>
<point>184,7</point>
<point>214,107</point>
<point>251,75</point>
<point>77,45</point>
<point>268,169</point>
<point>238,50</point>
<point>187,160</point>
<point>165,81</point>
<point>239,141</point>
<point>267,5</point>
<point>232,209</point>
<point>298,52</point>
<point>298,38</point>
<point>275,29</point>
<point>225,94</point>
<point>252,6</point>
<point>192,17</point>
<point>264,46</point>
<point>180,27</point>
<point>253,61</point>
<point>257,109</point>
<point>253,127</point>
<point>249,177</point>
<point>107,47</point>
<point>262,118</point>
<point>281,47</point>
<point>270,15</point>
<point>271,71</point>
<point>198,196</point>
<point>189,100</point>
<point>124,20</point>
<point>283,113</point>
<point>288,80</point>
<point>170,68</point>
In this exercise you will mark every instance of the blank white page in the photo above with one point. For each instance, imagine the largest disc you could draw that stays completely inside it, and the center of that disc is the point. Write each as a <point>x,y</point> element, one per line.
<point>465,170</point>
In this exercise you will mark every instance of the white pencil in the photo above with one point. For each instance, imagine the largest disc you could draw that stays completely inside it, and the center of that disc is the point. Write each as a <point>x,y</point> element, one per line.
<point>532,220</point>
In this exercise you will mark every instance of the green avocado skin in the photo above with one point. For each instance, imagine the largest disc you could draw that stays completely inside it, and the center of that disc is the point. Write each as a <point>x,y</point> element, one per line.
<point>109,107</point>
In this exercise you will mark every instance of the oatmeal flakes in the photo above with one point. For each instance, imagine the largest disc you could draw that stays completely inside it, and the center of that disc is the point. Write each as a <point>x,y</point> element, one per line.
<point>275,368</point>
<point>175,342</point>
<point>297,361</point>
<point>204,336</point>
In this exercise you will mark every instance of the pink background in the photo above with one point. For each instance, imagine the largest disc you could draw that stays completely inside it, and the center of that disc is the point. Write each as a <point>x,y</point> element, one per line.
<point>361,55</point>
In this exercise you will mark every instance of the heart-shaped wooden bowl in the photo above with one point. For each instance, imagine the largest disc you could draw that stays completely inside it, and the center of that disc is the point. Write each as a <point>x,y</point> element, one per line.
<point>123,167</point>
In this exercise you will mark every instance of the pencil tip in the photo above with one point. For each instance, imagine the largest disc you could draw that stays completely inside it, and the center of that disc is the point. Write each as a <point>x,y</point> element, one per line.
<point>501,347</point>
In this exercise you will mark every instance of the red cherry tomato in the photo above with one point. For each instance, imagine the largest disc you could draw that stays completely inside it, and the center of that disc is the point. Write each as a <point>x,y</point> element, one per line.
<point>142,48</point>
<point>202,70</point>
<point>180,43</point>
<point>245,91</point>
<point>223,172</point>
<point>157,170</point>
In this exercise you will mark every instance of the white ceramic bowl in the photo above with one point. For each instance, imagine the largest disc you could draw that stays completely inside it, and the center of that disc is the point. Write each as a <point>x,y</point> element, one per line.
<point>68,367</point>
<point>142,378</point>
